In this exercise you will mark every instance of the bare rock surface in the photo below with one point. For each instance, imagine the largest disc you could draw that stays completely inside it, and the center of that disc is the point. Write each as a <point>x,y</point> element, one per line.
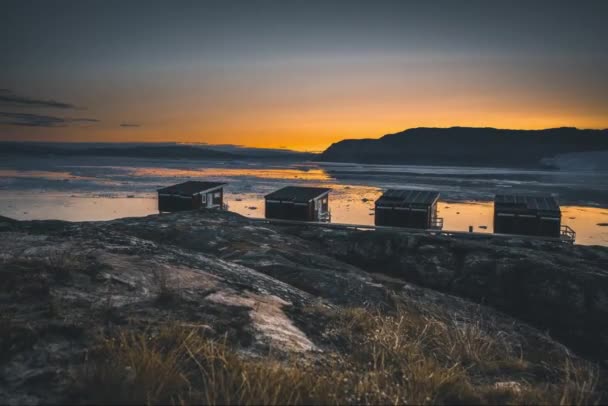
<point>560,288</point>
<point>63,284</point>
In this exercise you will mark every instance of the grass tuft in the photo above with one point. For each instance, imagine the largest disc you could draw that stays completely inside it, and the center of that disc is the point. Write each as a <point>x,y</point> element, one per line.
<point>405,357</point>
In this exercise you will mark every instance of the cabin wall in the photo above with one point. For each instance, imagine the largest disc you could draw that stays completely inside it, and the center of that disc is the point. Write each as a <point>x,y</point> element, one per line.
<point>550,227</point>
<point>170,203</point>
<point>408,217</point>
<point>218,198</point>
<point>290,211</point>
<point>197,201</point>
<point>214,198</point>
<point>526,223</point>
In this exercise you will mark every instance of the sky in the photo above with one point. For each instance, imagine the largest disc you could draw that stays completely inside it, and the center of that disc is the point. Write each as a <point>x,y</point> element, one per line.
<point>296,74</point>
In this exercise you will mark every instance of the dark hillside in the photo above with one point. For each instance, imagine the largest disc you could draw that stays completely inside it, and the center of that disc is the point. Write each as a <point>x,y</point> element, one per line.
<point>468,146</point>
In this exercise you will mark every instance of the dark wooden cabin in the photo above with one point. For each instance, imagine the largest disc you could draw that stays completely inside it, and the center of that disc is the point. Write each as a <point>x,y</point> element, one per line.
<point>527,215</point>
<point>298,203</point>
<point>191,195</point>
<point>408,208</point>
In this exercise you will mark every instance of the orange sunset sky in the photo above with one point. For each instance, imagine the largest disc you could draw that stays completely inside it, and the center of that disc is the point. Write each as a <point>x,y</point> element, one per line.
<point>294,75</point>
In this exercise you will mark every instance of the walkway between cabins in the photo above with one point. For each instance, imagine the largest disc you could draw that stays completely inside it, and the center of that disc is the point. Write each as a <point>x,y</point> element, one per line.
<point>568,235</point>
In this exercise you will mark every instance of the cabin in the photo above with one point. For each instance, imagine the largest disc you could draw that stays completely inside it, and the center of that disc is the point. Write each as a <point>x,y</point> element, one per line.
<point>298,203</point>
<point>191,195</point>
<point>527,215</point>
<point>408,208</point>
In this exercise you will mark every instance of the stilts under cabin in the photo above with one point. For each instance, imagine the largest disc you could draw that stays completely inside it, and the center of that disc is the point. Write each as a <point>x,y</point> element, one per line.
<point>528,215</point>
<point>191,195</point>
<point>298,203</point>
<point>408,208</point>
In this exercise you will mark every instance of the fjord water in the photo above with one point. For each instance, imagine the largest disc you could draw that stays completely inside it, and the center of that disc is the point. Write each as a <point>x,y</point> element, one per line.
<point>78,189</point>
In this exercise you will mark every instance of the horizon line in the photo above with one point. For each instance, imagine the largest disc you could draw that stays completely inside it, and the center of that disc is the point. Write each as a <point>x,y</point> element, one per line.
<point>288,149</point>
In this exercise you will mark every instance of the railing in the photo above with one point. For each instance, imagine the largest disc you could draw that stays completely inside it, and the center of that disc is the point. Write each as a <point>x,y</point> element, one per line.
<point>325,216</point>
<point>567,234</point>
<point>437,223</point>
<point>460,234</point>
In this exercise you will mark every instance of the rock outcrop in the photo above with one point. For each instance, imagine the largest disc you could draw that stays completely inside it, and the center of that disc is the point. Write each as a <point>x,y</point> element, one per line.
<point>469,146</point>
<point>560,288</point>
<point>62,284</point>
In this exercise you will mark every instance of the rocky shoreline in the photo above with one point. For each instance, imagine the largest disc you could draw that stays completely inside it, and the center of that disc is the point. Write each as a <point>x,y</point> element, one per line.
<point>255,284</point>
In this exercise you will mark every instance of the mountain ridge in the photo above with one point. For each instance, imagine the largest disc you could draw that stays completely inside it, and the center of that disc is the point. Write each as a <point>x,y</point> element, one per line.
<point>482,146</point>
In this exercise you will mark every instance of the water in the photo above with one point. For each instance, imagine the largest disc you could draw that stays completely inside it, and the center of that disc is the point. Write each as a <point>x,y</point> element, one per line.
<point>79,189</point>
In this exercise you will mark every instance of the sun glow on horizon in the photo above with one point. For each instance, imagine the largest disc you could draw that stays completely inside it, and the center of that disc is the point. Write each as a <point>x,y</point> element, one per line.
<point>296,75</point>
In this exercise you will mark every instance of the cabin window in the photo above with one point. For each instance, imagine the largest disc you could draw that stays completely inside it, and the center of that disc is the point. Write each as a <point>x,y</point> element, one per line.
<point>203,198</point>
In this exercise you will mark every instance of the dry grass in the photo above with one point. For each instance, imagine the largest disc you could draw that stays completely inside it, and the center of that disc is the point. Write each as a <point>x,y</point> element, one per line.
<point>379,359</point>
<point>444,362</point>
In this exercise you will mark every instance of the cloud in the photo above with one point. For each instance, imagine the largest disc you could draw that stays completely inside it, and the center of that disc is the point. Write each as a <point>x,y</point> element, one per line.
<point>7,97</point>
<point>37,120</point>
<point>130,125</point>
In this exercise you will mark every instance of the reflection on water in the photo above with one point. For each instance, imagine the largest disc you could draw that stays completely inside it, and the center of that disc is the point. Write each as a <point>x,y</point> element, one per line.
<point>588,222</point>
<point>80,189</point>
<point>349,204</point>
<point>74,207</point>
<point>458,216</point>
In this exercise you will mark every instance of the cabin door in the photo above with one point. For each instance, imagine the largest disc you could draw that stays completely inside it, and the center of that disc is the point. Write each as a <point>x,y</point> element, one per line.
<point>209,200</point>
<point>322,209</point>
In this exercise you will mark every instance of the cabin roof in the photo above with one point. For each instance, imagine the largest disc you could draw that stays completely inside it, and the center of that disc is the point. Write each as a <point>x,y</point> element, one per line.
<point>531,203</point>
<point>189,188</point>
<point>397,197</point>
<point>297,193</point>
